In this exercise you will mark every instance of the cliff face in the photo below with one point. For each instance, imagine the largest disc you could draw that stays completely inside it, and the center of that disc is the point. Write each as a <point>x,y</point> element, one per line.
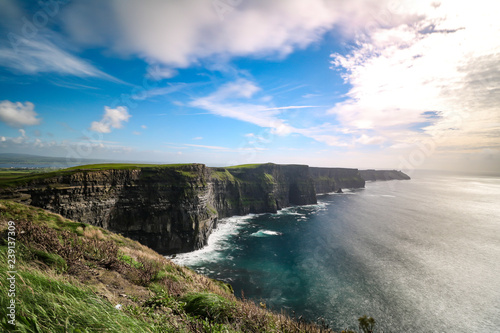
<point>328,180</point>
<point>374,175</point>
<point>263,189</point>
<point>167,209</point>
<point>170,209</point>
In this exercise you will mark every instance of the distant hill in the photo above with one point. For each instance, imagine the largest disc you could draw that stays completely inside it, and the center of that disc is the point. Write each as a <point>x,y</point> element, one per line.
<point>30,161</point>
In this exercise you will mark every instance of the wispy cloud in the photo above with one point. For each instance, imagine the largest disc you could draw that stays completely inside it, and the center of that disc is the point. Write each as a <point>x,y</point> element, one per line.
<point>41,55</point>
<point>226,102</point>
<point>230,100</point>
<point>215,148</point>
<point>291,107</point>
<point>160,91</point>
<point>207,147</point>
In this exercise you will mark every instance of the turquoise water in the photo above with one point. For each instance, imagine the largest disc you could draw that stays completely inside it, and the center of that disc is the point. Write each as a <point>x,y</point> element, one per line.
<point>418,256</point>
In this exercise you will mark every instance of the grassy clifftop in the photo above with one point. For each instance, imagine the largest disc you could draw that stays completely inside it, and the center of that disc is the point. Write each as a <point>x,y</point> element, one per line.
<point>15,178</point>
<point>74,277</point>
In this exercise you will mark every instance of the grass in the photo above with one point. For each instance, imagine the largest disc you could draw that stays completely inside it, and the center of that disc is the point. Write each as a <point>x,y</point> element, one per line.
<point>123,166</point>
<point>223,174</point>
<point>50,303</point>
<point>269,179</point>
<point>245,166</point>
<point>14,181</point>
<point>6,174</point>
<point>209,306</point>
<point>71,277</point>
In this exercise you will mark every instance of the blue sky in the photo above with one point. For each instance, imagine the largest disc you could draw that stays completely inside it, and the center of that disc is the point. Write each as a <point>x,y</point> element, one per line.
<point>368,84</point>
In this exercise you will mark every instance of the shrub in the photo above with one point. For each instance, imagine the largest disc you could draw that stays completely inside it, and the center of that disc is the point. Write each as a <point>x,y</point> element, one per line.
<point>51,259</point>
<point>130,261</point>
<point>366,324</point>
<point>149,270</point>
<point>209,306</point>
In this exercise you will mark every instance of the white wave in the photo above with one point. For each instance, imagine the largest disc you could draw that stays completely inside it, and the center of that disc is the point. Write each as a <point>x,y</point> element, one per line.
<point>288,211</point>
<point>217,242</point>
<point>265,233</point>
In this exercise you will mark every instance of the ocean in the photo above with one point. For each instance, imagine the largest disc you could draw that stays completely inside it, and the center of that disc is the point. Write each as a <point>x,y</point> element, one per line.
<point>418,256</point>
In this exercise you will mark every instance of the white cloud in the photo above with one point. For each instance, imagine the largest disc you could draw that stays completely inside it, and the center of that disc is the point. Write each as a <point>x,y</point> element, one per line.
<point>158,72</point>
<point>198,138</point>
<point>144,126</point>
<point>112,118</point>
<point>370,140</point>
<point>18,114</point>
<point>445,62</point>
<point>177,34</point>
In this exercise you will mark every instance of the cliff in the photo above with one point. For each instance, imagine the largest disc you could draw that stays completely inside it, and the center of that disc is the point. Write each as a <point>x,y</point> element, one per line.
<point>174,208</point>
<point>328,180</point>
<point>377,175</point>
<point>165,208</point>
<point>170,208</point>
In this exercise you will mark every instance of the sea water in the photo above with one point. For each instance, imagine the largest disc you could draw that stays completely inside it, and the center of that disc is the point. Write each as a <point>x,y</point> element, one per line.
<point>418,256</point>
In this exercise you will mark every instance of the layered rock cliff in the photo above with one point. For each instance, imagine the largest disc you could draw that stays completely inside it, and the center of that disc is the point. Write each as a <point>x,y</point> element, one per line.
<point>167,208</point>
<point>377,175</point>
<point>328,180</point>
<point>261,189</point>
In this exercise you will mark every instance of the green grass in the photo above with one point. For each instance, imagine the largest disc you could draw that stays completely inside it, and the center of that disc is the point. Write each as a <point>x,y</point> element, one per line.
<point>245,166</point>
<point>224,175</point>
<point>8,173</point>
<point>123,166</point>
<point>268,178</point>
<point>47,303</point>
<point>130,261</point>
<point>51,259</point>
<point>25,179</point>
<point>209,306</point>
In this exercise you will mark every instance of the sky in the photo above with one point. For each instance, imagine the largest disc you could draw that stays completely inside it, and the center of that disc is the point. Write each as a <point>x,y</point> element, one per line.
<point>340,83</point>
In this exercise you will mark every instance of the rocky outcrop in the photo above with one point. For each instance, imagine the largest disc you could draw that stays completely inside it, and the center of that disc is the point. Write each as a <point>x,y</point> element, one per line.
<point>327,180</point>
<point>377,175</point>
